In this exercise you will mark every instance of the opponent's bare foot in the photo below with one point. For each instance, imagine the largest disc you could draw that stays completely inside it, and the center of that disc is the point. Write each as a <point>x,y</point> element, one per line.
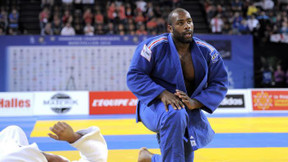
<point>145,155</point>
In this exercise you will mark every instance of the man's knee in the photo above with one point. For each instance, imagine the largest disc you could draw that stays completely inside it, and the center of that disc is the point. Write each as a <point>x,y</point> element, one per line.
<point>13,129</point>
<point>178,117</point>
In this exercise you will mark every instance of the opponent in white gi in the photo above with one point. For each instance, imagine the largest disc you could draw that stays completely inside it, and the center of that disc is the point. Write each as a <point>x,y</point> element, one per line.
<point>14,146</point>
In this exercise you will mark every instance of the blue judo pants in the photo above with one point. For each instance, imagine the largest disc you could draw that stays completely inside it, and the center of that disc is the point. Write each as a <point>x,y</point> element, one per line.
<point>170,127</point>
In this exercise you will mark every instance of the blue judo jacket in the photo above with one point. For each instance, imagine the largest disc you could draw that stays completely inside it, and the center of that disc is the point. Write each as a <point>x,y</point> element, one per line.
<point>156,66</point>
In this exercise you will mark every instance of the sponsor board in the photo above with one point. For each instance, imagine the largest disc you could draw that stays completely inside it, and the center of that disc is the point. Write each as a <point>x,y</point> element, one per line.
<point>236,100</point>
<point>268,100</point>
<point>16,104</point>
<point>61,103</point>
<point>113,102</point>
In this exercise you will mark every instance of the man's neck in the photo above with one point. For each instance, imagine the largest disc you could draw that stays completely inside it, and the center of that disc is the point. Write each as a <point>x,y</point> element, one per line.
<point>182,48</point>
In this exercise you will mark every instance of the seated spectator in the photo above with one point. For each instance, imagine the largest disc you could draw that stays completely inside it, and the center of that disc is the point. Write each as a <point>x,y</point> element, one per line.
<point>141,5</point>
<point>253,24</point>
<point>67,17</point>
<point>47,30</point>
<point>67,30</point>
<point>111,11</point>
<point>161,25</point>
<point>141,30</point>
<point>284,28</point>
<point>110,29</point>
<point>139,19</point>
<point>99,29</point>
<point>13,19</point>
<point>151,25</point>
<point>12,31</point>
<point>56,25</point>
<point>88,16</point>
<point>252,9</point>
<point>279,77</point>
<point>3,18</point>
<point>2,32</point>
<point>236,5</point>
<point>129,12</point>
<point>217,24</point>
<point>243,27</point>
<point>98,18</point>
<point>267,76</point>
<point>44,17</point>
<point>88,29</point>
<point>121,13</point>
<point>236,22</point>
<point>120,29</point>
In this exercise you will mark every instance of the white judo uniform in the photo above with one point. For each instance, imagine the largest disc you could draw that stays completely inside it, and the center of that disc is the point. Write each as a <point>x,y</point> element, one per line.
<point>14,146</point>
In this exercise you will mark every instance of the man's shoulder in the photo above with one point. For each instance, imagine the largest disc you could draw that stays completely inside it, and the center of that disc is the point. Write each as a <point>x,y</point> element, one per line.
<point>156,41</point>
<point>204,45</point>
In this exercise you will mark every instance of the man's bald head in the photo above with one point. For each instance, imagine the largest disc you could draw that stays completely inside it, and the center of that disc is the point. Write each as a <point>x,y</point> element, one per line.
<point>173,13</point>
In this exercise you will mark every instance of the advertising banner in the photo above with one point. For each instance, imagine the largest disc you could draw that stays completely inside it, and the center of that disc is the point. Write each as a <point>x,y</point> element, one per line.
<point>236,101</point>
<point>16,104</point>
<point>61,103</point>
<point>269,100</point>
<point>113,102</point>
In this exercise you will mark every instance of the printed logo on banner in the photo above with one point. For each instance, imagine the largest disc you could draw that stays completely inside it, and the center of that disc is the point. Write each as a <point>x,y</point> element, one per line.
<point>270,100</point>
<point>233,101</point>
<point>114,102</point>
<point>60,103</point>
<point>16,104</point>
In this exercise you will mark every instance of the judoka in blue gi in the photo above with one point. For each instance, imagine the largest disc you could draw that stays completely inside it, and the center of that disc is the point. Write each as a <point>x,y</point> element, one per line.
<point>176,76</point>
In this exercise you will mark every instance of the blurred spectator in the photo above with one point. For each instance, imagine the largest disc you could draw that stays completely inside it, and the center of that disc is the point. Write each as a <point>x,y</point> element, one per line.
<point>141,30</point>
<point>110,29</point>
<point>67,4</point>
<point>217,24</point>
<point>13,19</point>
<point>252,9</point>
<point>131,29</point>
<point>279,77</point>
<point>47,30</point>
<point>243,27</point>
<point>67,17</point>
<point>2,32</point>
<point>47,3</point>
<point>67,30</point>
<point>286,78</point>
<point>88,29</point>
<point>253,24</point>
<point>98,18</point>
<point>284,28</point>
<point>151,25</point>
<point>43,17</point>
<point>12,31</point>
<point>88,16</point>
<point>120,29</point>
<point>267,76</point>
<point>99,29</point>
<point>161,25</point>
<point>265,4</point>
<point>227,29</point>
<point>56,25</point>
<point>149,11</point>
<point>3,18</point>
<point>129,12</point>
<point>111,11</point>
<point>141,5</point>
<point>121,13</point>
<point>88,2</point>
<point>236,22</point>
<point>139,19</point>
<point>236,5</point>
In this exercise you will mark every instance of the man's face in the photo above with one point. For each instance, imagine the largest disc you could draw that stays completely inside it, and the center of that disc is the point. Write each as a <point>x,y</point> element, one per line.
<point>182,27</point>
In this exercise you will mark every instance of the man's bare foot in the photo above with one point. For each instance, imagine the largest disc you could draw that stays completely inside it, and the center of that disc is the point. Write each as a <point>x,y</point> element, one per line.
<point>145,155</point>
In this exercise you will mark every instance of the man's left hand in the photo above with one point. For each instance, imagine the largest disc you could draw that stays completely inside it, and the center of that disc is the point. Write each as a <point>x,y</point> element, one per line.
<point>190,103</point>
<point>64,132</point>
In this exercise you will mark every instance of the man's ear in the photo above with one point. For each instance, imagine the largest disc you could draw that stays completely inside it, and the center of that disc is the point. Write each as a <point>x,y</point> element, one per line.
<point>170,29</point>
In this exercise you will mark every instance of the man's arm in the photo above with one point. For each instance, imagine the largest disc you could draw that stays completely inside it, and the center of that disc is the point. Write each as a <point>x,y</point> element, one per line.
<point>64,132</point>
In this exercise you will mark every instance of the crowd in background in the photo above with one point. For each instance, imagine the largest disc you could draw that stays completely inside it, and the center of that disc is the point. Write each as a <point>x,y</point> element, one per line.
<point>262,18</point>
<point>113,17</point>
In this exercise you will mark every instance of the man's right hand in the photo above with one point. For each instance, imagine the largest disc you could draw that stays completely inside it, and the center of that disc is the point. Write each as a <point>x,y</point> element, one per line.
<point>169,98</point>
